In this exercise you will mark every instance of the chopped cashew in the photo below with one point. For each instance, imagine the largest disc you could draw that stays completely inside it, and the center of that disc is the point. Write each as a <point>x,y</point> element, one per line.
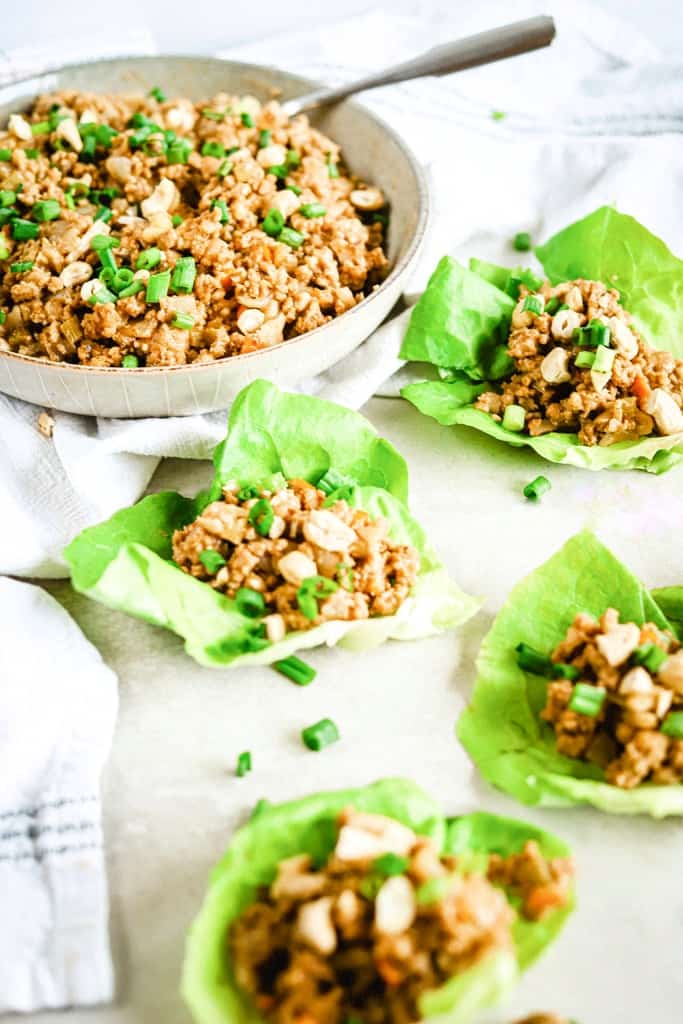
<point>625,342</point>
<point>286,201</point>
<point>637,681</point>
<point>671,672</point>
<point>275,628</point>
<point>324,529</point>
<point>564,324</point>
<point>271,156</point>
<point>68,130</point>
<point>600,379</point>
<point>250,320</point>
<point>20,127</point>
<point>89,288</point>
<point>368,198</point>
<point>365,836</point>
<point>574,299</point>
<point>163,198</point>
<point>554,366</point>
<point>314,925</point>
<point>395,906</point>
<point>297,567</point>
<point>250,105</point>
<point>619,644</point>
<point>75,273</point>
<point>665,412</point>
<point>46,424</point>
<point>295,880</point>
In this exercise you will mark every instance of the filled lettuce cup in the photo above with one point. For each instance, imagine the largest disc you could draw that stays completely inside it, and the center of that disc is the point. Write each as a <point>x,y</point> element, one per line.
<point>579,692</point>
<point>305,538</point>
<point>579,362</point>
<point>369,906</point>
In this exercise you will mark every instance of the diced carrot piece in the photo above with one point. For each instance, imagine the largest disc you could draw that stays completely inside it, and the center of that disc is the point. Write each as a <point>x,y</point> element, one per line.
<point>390,974</point>
<point>542,900</point>
<point>641,389</point>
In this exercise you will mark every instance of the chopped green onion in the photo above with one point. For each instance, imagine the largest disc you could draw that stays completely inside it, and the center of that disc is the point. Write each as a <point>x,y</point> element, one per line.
<point>498,115</point>
<point>552,305</point>
<point>673,725</point>
<point>108,260</point>
<point>210,148</point>
<point>214,115</point>
<point>273,223</point>
<point>24,229</point>
<point>432,891</point>
<point>178,152</point>
<point>157,286</point>
<point>587,700</point>
<point>148,259</point>
<point>247,493</point>
<point>604,359</point>
<point>221,205</point>
<point>264,138</point>
<point>312,590</point>
<point>106,275</point>
<point>514,418</point>
<point>176,220</point>
<point>295,189</point>
<point>585,360</point>
<point>320,735</point>
<point>293,158</point>
<point>123,277</point>
<point>533,661</point>
<point>331,480</point>
<point>3,316</point>
<point>259,807</point>
<point>101,296</point>
<point>5,155</point>
<point>7,197</point>
<point>651,656</point>
<point>296,670</point>
<point>332,169</point>
<point>184,274</point>
<point>224,168</point>
<point>250,602</point>
<point>243,765</point>
<point>138,120</point>
<point>261,516</point>
<point>343,493</point>
<point>157,94</point>
<point>104,135</point>
<point>390,864</point>
<point>7,214</point>
<point>88,151</point>
<point>101,242</point>
<point>279,171</point>
<point>104,195</point>
<point>32,154</point>
<point>183,321</point>
<point>602,335</point>
<point>211,560</point>
<point>21,267</point>
<point>130,362</point>
<point>522,276</point>
<point>246,119</point>
<point>104,214</point>
<point>132,289</point>
<point>536,488</point>
<point>522,241</point>
<point>533,304</point>
<point>312,210</point>
<point>562,671</point>
<point>370,886</point>
<point>294,239</point>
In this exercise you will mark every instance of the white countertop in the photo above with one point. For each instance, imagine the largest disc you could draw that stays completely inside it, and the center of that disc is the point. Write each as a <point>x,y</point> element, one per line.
<point>171,799</point>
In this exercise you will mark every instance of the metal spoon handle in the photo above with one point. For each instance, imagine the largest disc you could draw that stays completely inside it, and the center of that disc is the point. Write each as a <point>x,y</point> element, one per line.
<point>483,48</point>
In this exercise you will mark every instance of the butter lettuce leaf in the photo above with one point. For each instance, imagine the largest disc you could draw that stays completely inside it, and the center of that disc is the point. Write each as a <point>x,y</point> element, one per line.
<point>125,562</point>
<point>502,729</point>
<point>308,826</point>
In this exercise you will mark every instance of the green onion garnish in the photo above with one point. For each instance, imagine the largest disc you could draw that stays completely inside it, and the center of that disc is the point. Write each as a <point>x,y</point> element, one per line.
<point>562,671</point>
<point>184,274</point>
<point>264,138</point>
<point>587,700</point>
<point>3,316</point>
<point>369,888</point>
<point>246,119</point>
<point>294,239</point>
<point>148,259</point>
<point>651,656</point>
<point>178,151</point>
<point>157,94</point>
<point>536,488</point>
<point>432,891</point>
<point>131,289</point>
<point>101,242</point>
<point>312,590</point>
<point>4,251</point>
<point>250,603</point>
<point>514,418</point>
<point>296,670</point>
<point>123,277</point>
<point>585,360</point>
<point>247,493</point>
<point>390,864</point>
<point>108,260</point>
<point>7,214</point>
<point>214,115</point>
<point>101,296</point>
<point>673,725</point>
<point>604,359</point>
<point>522,276</point>
<point>7,197</point>
<point>220,204</point>
<point>130,362</point>
<point>320,735</point>
<point>21,267</point>
<point>261,516</point>
<point>24,229</point>
<point>32,154</point>
<point>243,764</point>
<point>533,661</point>
<point>312,210</point>
<point>184,321</point>
<point>602,334</point>
<point>273,223</point>
<point>498,115</point>
<point>211,560</point>
<point>331,481</point>
<point>533,304</point>
<point>216,149</point>
<point>176,220</point>
<point>224,168</point>
<point>157,286</point>
<point>295,189</point>
<point>522,241</point>
<point>332,169</point>
<point>5,155</point>
<point>552,305</point>
<point>279,171</point>
<point>104,214</point>
<point>293,158</point>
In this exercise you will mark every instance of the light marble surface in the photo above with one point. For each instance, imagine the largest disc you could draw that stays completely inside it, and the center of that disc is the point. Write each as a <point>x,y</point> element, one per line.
<point>171,800</point>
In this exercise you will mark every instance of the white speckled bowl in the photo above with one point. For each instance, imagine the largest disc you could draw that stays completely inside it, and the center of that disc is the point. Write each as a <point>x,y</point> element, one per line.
<point>371,149</point>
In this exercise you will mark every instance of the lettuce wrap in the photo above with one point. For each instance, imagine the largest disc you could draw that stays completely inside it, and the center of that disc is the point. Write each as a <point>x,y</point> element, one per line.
<point>126,564</point>
<point>501,729</point>
<point>460,323</point>
<point>309,826</point>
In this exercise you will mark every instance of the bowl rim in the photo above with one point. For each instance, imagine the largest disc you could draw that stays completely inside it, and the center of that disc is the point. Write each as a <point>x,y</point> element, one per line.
<point>399,268</point>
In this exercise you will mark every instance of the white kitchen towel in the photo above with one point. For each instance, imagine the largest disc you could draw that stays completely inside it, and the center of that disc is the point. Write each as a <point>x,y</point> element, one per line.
<point>57,711</point>
<point>591,120</point>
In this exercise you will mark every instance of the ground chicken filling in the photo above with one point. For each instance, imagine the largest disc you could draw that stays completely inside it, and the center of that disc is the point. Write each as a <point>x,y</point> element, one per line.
<point>580,366</point>
<point>385,920</point>
<point>297,556</point>
<point>154,232</point>
<point>619,699</point>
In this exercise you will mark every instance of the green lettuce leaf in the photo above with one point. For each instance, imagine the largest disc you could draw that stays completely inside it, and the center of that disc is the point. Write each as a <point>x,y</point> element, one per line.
<point>606,245</point>
<point>125,561</point>
<point>459,323</point>
<point>670,600</point>
<point>309,826</point>
<point>502,729</point>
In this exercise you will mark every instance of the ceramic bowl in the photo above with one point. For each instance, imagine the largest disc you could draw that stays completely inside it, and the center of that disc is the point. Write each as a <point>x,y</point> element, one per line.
<point>371,149</point>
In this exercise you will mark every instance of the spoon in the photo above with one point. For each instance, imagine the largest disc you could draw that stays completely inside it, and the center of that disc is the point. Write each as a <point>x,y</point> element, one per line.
<point>483,48</point>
